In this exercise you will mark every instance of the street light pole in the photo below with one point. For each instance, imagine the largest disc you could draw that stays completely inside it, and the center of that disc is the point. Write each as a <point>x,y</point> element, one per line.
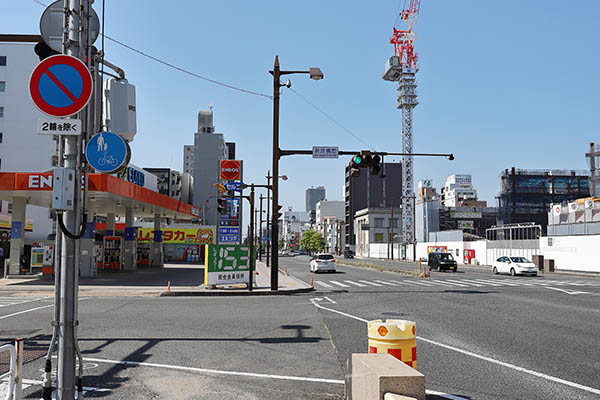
<point>267,254</point>
<point>275,207</point>
<point>260,220</point>
<point>316,74</point>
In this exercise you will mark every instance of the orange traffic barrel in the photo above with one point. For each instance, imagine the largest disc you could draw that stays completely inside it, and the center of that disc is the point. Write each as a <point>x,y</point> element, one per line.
<point>396,337</point>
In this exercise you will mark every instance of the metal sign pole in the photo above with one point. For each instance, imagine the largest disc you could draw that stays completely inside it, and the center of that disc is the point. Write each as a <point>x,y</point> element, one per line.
<point>66,341</point>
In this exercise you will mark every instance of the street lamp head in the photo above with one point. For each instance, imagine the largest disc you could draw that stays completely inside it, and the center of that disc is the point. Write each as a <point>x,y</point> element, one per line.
<point>284,177</point>
<point>316,74</point>
<point>451,157</point>
<point>288,84</point>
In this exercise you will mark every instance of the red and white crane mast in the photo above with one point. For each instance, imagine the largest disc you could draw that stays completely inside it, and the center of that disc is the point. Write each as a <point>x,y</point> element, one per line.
<point>402,68</point>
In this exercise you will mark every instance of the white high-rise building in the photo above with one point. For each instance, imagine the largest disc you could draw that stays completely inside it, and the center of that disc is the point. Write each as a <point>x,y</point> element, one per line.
<point>458,188</point>
<point>21,148</point>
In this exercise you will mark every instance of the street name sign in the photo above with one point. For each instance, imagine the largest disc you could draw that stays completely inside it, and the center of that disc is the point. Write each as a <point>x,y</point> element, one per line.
<point>233,186</point>
<point>325,152</point>
<point>57,126</point>
<point>106,152</point>
<point>226,264</point>
<point>60,85</point>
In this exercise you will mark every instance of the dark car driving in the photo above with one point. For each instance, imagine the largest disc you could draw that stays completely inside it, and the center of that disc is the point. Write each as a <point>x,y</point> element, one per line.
<point>441,261</point>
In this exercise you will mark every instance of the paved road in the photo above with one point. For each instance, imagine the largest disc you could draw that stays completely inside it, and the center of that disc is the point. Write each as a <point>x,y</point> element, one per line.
<point>481,336</point>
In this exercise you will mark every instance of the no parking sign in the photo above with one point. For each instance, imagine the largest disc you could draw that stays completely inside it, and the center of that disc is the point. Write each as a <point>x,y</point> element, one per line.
<point>60,85</point>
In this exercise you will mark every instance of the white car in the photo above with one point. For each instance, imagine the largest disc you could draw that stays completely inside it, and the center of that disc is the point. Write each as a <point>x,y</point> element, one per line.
<point>514,266</point>
<point>322,262</point>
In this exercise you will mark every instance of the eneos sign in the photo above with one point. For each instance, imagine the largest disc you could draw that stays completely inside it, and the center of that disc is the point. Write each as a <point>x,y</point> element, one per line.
<point>230,170</point>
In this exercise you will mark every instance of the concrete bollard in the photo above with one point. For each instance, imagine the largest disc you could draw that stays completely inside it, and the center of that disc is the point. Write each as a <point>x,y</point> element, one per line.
<point>382,377</point>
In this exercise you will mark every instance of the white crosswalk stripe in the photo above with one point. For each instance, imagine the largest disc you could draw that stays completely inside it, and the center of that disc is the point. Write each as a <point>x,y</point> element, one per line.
<point>339,283</point>
<point>487,283</point>
<point>371,283</point>
<point>385,283</point>
<point>327,285</point>
<point>461,283</point>
<point>448,283</point>
<point>6,301</point>
<point>439,283</point>
<point>356,283</point>
<point>422,283</point>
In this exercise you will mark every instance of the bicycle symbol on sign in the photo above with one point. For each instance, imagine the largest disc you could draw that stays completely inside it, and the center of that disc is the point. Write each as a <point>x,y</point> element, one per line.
<point>108,160</point>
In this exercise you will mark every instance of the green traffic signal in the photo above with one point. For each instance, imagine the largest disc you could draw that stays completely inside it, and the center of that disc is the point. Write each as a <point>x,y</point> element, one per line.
<point>357,159</point>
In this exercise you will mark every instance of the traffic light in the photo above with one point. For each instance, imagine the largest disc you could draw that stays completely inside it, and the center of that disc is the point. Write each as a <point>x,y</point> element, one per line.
<point>374,166</point>
<point>43,50</point>
<point>357,162</point>
<point>365,159</point>
<point>221,205</point>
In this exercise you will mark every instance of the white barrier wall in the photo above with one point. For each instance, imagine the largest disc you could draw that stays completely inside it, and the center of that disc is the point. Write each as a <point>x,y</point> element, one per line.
<point>574,253</point>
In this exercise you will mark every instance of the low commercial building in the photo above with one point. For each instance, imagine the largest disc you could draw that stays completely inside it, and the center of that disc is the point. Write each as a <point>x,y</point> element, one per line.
<point>329,223</point>
<point>377,232</point>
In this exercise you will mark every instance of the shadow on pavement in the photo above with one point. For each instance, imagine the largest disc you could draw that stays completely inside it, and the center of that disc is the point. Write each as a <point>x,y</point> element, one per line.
<point>177,274</point>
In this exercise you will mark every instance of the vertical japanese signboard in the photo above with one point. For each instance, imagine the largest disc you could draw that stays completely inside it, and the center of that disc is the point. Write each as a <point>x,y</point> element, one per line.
<point>226,264</point>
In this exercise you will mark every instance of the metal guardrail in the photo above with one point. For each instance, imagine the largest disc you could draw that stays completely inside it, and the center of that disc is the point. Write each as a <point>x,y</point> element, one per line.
<point>14,373</point>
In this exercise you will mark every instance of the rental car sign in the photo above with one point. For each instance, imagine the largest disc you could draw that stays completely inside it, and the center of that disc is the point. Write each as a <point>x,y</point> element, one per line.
<point>230,170</point>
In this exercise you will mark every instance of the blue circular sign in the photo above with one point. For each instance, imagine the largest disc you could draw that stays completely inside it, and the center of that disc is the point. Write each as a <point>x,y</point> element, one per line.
<point>106,152</point>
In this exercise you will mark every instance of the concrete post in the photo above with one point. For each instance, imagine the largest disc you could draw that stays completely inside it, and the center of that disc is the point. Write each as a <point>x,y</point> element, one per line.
<point>129,256</point>
<point>110,224</point>
<point>156,246</point>
<point>17,235</point>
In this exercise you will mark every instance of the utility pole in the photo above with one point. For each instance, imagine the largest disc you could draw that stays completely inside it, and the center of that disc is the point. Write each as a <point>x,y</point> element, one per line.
<point>72,45</point>
<point>251,238</point>
<point>260,242</point>
<point>268,254</point>
<point>392,225</point>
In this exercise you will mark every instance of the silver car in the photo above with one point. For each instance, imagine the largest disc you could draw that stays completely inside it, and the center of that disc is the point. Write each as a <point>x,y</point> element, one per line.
<point>322,262</point>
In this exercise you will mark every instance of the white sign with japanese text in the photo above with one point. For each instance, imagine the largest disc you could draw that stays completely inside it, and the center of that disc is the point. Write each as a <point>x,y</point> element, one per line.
<point>325,152</point>
<point>58,126</point>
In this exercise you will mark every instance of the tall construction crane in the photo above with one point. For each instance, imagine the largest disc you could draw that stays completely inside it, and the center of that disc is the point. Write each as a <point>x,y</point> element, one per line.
<point>401,68</point>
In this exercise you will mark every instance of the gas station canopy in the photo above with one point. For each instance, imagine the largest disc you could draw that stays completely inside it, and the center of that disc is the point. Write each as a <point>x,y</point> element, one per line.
<point>107,194</point>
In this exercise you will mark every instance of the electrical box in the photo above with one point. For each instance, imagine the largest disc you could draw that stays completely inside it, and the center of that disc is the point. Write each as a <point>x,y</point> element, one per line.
<point>63,189</point>
<point>119,108</point>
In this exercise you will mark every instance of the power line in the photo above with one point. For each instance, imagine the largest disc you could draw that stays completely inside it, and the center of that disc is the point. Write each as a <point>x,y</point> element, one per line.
<point>185,71</point>
<point>329,117</point>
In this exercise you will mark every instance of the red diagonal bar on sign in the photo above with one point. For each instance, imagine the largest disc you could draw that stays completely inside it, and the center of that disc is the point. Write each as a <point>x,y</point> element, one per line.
<point>60,85</point>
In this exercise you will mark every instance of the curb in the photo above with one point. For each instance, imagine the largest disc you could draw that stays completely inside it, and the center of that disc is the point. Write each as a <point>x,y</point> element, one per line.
<point>193,293</point>
<point>377,267</point>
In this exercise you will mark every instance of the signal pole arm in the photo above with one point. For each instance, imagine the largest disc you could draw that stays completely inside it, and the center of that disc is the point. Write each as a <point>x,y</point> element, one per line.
<point>283,153</point>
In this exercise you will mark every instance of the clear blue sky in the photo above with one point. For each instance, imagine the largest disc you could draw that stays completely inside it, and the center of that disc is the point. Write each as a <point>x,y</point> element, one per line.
<point>501,84</point>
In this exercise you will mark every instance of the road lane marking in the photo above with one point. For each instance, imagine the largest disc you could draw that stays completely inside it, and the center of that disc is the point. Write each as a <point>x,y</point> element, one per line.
<point>385,283</point>
<point>214,371</point>
<point>323,284</point>
<point>33,309</point>
<point>423,284</point>
<point>568,291</point>
<point>487,282</point>
<point>461,283</point>
<point>356,283</point>
<point>371,283</point>
<point>328,299</point>
<point>439,283</point>
<point>339,283</point>
<point>481,357</point>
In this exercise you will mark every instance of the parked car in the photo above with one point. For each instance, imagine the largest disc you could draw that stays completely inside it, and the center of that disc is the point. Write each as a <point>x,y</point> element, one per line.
<point>514,266</point>
<point>441,262</point>
<point>348,254</point>
<point>322,262</point>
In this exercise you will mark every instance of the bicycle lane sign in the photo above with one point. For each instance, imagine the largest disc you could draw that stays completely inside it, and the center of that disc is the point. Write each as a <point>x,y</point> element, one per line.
<point>106,152</point>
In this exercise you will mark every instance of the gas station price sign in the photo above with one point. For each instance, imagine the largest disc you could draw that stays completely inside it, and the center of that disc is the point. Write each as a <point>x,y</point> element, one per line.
<point>226,264</point>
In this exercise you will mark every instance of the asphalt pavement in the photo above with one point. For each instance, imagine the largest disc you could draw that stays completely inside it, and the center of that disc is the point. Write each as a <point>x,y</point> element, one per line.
<point>480,336</point>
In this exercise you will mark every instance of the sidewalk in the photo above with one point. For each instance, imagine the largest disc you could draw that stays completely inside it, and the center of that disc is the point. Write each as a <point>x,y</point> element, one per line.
<point>262,286</point>
<point>184,279</point>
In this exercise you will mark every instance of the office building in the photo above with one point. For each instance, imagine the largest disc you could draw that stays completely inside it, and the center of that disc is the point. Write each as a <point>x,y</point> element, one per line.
<point>21,148</point>
<point>370,191</point>
<point>208,150</point>
<point>292,225</point>
<point>188,159</point>
<point>313,196</point>
<point>526,195</point>
<point>329,222</point>
<point>457,189</point>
